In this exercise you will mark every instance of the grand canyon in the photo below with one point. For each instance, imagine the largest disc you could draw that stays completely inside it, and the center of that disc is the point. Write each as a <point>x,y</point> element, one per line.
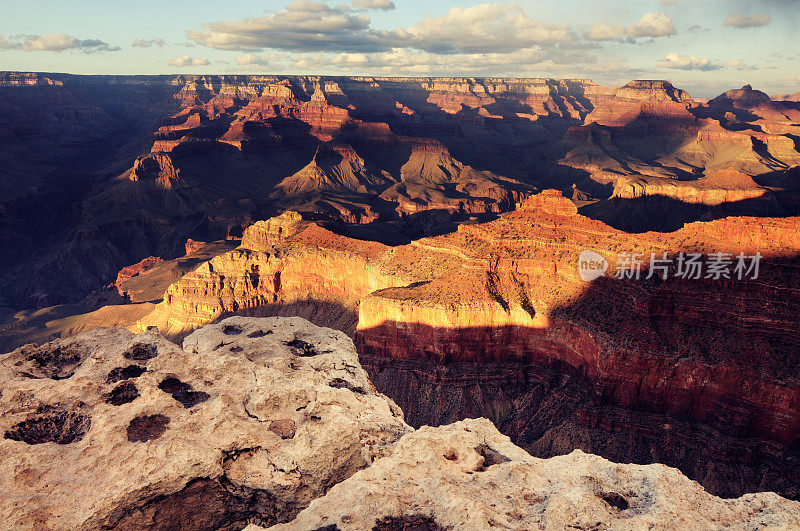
<point>336,285</point>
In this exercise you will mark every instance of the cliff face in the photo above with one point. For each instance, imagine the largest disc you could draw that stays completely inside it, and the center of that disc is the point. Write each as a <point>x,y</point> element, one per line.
<point>277,265</point>
<point>614,367</point>
<point>273,422</point>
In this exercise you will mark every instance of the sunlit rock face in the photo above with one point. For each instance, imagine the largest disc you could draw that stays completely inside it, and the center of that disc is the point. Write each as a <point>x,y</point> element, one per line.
<point>494,320</point>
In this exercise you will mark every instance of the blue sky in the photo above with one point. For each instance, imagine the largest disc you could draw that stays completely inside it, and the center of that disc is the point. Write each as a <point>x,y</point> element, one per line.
<point>702,46</point>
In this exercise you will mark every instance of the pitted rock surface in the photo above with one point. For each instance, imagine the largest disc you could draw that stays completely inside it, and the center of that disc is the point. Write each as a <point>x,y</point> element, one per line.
<point>245,429</point>
<point>469,476</point>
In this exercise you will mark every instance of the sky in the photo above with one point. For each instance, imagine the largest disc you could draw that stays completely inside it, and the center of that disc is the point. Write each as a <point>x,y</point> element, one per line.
<point>703,46</point>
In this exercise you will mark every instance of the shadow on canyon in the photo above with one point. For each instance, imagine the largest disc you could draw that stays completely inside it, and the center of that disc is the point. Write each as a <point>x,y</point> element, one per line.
<point>702,375</point>
<point>661,213</point>
<point>636,374</point>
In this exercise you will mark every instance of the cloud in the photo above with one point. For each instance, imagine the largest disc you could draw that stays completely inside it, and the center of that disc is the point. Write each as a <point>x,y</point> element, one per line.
<point>255,59</point>
<point>740,65</point>
<point>738,20</point>
<point>652,25</point>
<point>143,43</point>
<point>310,26</point>
<point>677,61</point>
<point>384,5</point>
<point>303,25</point>
<point>187,60</point>
<point>417,62</point>
<point>669,2</point>
<point>55,42</point>
<point>485,28</point>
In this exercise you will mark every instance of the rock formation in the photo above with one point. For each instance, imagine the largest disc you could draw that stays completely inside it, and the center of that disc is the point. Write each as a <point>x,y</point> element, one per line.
<point>492,320</point>
<point>468,476</point>
<point>156,167</point>
<point>249,422</point>
<point>128,272</point>
<point>403,211</point>
<point>273,421</point>
<point>413,155</point>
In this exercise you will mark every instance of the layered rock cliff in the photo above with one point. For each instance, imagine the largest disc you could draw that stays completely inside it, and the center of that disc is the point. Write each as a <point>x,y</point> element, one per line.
<point>152,161</point>
<point>493,320</point>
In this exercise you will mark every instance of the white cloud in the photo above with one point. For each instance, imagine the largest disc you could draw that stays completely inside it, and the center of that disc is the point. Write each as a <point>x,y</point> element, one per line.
<point>303,25</point>
<point>678,61</point>
<point>650,25</point>
<point>55,42</point>
<point>741,65</point>
<point>416,62</point>
<point>485,28</point>
<point>255,59</point>
<point>738,20</point>
<point>145,43</point>
<point>309,26</point>
<point>187,60</point>
<point>384,5</point>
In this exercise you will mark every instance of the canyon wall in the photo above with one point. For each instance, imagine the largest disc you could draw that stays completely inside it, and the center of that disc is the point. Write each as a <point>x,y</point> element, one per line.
<point>104,171</point>
<point>493,320</point>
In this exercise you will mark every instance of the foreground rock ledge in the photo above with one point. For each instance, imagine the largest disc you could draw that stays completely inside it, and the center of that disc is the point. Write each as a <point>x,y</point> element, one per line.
<point>249,422</point>
<point>469,476</point>
<point>255,419</point>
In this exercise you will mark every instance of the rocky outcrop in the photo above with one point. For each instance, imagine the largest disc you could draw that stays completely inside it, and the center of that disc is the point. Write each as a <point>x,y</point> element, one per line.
<point>652,102</point>
<point>272,422</point>
<point>248,422</point>
<point>431,179</point>
<point>156,167</point>
<point>264,235</point>
<point>133,270</point>
<point>743,98</point>
<point>313,264</point>
<point>724,186</point>
<point>468,476</point>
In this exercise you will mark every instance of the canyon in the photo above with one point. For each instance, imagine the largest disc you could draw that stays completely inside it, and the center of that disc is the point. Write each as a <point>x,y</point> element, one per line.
<point>132,166</point>
<point>438,222</point>
<point>493,321</point>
